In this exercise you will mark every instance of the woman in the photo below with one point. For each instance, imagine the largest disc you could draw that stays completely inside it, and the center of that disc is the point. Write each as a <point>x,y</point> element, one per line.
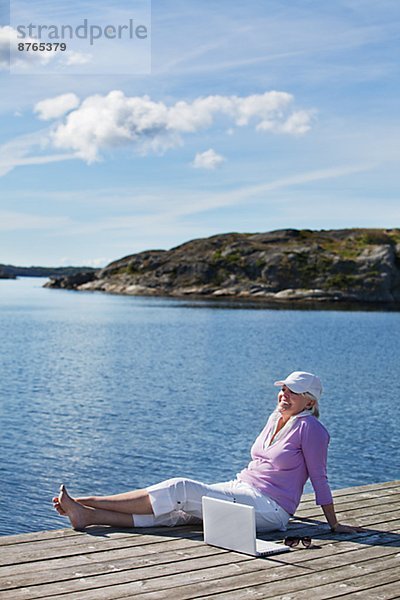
<point>291,448</point>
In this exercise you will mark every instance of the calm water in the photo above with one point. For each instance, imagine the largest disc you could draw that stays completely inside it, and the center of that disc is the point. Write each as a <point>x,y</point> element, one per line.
<point>109,393</point>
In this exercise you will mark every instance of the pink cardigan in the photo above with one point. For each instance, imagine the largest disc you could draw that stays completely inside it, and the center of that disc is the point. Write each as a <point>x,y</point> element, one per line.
<point>281,469</point>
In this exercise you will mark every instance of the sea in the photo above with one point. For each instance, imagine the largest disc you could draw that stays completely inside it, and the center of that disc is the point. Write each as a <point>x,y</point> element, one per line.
<point>109,393</point>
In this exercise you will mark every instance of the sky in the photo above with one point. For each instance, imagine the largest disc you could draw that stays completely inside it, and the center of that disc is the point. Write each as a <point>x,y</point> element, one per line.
<point>229,116</point>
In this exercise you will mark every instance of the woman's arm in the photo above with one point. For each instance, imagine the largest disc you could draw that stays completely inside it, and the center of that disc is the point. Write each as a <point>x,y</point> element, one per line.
<point>315,448</point>
<point>336,527</point>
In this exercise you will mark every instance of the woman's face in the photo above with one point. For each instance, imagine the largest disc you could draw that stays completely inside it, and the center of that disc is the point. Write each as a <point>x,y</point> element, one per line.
<point>290,403</point>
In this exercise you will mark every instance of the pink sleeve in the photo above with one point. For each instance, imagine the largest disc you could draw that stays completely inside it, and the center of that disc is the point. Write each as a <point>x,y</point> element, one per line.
<point>314,444</point>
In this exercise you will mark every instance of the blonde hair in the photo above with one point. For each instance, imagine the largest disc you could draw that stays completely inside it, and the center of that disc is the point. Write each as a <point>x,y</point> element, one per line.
<point>315,407</point>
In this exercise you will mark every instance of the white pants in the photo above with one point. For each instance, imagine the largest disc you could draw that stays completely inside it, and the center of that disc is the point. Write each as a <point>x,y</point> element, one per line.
<point>177,501</point>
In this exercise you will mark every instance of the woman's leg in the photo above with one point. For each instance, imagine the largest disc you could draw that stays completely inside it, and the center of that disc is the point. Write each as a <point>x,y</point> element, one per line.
<point>169,502</point>
<point>82,516</point>
<point>134,502</point>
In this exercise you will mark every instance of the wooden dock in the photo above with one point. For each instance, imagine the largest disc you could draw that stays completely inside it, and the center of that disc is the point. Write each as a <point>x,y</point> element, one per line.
<point>152,564</point>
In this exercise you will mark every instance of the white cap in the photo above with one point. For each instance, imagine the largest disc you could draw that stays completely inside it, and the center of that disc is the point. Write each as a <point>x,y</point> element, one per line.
<point>301,382</point>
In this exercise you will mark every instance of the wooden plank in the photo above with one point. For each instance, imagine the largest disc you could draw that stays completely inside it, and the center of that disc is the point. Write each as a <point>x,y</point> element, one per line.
<point>335,547</point>
<point>135,553</point>
<point>370,582</point>
<point>388,591</point>
<point>355,495</point>
<point>322,565</point>
<point>371,490</point>
<point>250,580</point>
<point>87,538</point>
<point>355,504</point>
<point>172,574</point>
<point>182,563</point>
<point>253,585</point>
<point>345,511</point>
<point>29,553</point>
<point>174,563</point>
<point>318,529</point>
<point>84,537</point>
<point>327,547</point>
<point>178,546</point>
<point>175,546</point>
<point>99,531</point>
<point>70,545</point>
<point>20,538</point>
<point>180,570</point>
<point>308,500</point>
<point>100,544</point>
<point>383,485</point>
<point>366,511</point>
<point>55,569</point>
<point>349,504</point>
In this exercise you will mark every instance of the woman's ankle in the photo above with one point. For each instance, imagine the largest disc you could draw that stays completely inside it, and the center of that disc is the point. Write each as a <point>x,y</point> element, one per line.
<point>86,500</point>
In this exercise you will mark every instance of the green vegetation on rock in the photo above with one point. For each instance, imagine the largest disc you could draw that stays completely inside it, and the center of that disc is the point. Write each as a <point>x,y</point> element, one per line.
<point>360,265</point>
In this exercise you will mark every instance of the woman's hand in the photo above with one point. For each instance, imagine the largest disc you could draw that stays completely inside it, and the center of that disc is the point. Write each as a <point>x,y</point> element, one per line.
<point>339,528</point>
<point>336,527</point>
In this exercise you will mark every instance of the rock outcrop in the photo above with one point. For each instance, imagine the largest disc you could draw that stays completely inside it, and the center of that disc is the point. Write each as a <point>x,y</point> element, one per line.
<point>349,265</point>
<point>71,281</point>
<point>12,272</point>
<point>5,275</point>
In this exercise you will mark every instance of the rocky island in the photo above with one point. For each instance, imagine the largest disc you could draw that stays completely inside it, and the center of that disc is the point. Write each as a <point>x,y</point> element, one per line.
<point>289,265</point>
<point>12,272</point>
<point>6,275</point>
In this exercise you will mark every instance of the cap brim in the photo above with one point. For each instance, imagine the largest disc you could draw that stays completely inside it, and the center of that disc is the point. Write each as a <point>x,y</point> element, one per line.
<point>292,387</point>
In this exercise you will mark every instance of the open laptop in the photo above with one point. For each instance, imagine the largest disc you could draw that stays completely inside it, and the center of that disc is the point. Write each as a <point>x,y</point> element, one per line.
<point>232,526</point>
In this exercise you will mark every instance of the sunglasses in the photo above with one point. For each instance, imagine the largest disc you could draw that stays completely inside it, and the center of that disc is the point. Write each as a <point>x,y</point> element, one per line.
<point>294,541</point>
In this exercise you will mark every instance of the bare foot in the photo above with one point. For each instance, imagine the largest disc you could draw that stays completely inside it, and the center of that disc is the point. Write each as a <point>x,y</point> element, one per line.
<point>57,506</point>
<point>65,505</point>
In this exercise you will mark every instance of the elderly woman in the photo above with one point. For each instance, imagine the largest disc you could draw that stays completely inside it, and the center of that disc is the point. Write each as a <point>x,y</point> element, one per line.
<point>291,448</point>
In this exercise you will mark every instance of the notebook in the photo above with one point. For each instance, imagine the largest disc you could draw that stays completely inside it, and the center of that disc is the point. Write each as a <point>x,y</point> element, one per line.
<point>232,526</point>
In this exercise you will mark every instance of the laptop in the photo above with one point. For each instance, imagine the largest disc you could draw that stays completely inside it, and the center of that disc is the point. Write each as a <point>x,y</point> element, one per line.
<point>232,526</point>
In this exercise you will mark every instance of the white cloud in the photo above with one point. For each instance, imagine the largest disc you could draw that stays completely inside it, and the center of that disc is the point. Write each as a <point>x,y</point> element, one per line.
<point>298,122</point>
<point>6,166</point>
<point>244,194</point>
<point>54,108</point>
<point>103,122</point>
<point>66,261</point>
<point>22,61</point>
<point>16,152</point>
<point>5,47</point>
<point>11,56</point>
<point>208,160</point>
<point>14,221</point>
<point>96,262</point>
<point>149,211</point>
<point>77,58</point>
<point>202,202</point>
